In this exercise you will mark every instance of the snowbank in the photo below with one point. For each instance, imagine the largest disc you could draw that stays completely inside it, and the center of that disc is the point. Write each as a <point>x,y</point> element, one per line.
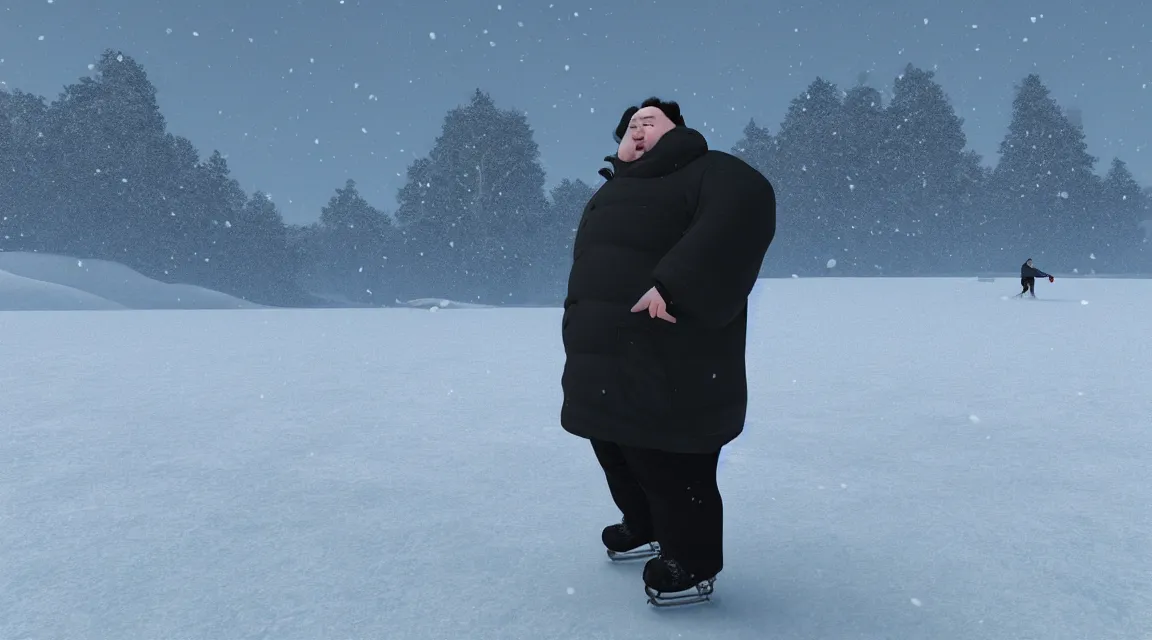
<point>37,281</point>
<point>18,293</point>
<point>439,303</point>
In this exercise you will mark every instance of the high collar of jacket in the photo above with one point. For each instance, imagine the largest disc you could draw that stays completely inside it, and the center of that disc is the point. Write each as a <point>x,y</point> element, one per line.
<point>672,151</point>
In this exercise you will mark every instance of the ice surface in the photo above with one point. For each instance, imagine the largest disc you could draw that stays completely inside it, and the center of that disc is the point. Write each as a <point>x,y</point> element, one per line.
<point>400,474</point>
<point>38,281</point>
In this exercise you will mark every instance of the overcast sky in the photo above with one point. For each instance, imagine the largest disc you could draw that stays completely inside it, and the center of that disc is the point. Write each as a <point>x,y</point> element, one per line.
<point>303,94</point>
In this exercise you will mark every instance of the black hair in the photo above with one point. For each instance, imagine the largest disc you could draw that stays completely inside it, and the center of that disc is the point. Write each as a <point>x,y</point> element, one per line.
<point>671,110</point>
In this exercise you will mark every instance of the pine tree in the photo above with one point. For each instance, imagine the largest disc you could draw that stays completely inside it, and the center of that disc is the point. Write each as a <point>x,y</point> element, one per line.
<point>23,226</point>
<point>1045,180</point>
<point>469,206</point>
<point>566,207</point>
<point>176,231</point>
<point>267,267</point>
<point>969,239</point>
<point>102,133</point>
<point>929,169</point>
<point>1123,207</point>
<point>217,200</point>
<point>355,240</point>
<point>866,132</point>
<point>813,189</point>
<point>757,147</point>
<point>1123,196</point>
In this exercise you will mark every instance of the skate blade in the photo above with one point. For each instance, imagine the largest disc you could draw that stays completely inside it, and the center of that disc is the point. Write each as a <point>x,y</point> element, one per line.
<point>639,553</point>
<point>701,594</point>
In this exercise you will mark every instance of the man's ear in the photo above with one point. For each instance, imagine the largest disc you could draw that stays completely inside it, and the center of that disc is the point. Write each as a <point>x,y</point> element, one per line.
<point>622,127</point>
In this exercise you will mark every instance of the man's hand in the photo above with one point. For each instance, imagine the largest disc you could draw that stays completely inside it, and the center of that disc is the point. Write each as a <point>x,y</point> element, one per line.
<point>654,304</point>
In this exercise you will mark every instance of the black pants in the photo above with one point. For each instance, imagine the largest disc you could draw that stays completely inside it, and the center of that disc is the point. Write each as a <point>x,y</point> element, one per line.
<point>1029,284</point>
<point>672,496</point>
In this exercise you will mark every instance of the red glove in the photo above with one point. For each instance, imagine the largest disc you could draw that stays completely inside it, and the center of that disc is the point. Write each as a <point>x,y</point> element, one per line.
<point>1051,279</point>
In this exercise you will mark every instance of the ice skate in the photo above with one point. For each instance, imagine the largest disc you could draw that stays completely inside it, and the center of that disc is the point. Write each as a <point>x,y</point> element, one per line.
<point>670,585</point>
<point>623,544</point>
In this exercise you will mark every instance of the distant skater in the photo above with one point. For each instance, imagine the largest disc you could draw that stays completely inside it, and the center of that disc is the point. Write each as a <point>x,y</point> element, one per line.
<point>1028,275</point>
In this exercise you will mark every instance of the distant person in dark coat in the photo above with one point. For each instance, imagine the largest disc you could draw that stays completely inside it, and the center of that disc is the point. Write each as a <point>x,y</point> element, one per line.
<point>655,319</point>
<point>1028,275</point>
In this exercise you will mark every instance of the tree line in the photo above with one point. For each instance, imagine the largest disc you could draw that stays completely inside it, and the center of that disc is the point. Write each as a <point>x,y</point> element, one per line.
<point>892,189</point>
<point>864,187</point>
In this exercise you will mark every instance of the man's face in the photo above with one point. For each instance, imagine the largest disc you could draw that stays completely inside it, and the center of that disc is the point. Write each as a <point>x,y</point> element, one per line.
<point>645,129</point>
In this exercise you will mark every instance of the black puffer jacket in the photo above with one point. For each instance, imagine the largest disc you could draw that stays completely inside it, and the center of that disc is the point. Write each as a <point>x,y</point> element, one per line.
<point>1027,271</point>
<point>696,224</point>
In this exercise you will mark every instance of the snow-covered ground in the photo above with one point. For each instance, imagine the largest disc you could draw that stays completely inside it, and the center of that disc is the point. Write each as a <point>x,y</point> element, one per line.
<point>47,282</point>
<point>923,459</point>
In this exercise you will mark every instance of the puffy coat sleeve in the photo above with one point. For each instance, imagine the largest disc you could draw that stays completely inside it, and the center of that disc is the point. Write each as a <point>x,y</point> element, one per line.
<point>710,272</point>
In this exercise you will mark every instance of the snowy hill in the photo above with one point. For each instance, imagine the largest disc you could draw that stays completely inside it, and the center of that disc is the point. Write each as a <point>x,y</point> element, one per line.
<point>36,281</point>
<point>18,293</point>
<point>923,460</point>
